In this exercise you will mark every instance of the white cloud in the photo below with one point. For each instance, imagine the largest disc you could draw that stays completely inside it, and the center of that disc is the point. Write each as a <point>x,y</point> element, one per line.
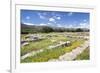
<point>29,24</point>
<point>41,16</point>
<point>70,13</point>
<point>52,19</point>
<point>48,23</point>
<point>42,24</point>
<point>69,26</point>
<point>84,20</point>
<point>83,25</point>
<point>27,17</point>
<point>59,25</point>
<point>58,18</point>
<point>65,25</point>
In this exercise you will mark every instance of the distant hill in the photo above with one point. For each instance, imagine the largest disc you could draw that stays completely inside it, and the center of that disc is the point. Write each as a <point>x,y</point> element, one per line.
<point>35,29</point>
<point>25,29</point>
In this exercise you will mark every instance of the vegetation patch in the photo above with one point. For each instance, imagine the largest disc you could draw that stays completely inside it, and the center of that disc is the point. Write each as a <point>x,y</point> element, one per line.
<point>42,44</point>
<point>52,53</point>
<point>85,55</point>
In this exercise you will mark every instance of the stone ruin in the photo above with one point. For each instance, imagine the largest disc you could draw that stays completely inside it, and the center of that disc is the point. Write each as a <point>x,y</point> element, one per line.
<point>30,38</point>
<point>61,44</point>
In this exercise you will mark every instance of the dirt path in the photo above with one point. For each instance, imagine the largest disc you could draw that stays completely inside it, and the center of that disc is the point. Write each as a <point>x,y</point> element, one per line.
<point>73,54</point>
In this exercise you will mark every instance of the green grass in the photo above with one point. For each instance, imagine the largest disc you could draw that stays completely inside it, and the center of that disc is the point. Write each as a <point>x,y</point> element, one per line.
<point>84,55</point>
<point>52,54</point>
<point>35,46</point>
<point>41,44</point>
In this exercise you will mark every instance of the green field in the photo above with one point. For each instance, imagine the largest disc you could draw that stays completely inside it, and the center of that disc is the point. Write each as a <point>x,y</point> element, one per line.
<point>84,56</point>
<point>48,40</point>
<point>42,44</point>
<point>52,54</point>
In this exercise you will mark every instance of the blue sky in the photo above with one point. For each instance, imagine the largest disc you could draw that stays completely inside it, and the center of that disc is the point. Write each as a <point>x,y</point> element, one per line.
<point>55,18</point>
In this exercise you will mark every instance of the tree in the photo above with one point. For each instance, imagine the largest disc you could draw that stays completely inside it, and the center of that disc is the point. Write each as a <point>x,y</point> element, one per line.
<point>79,30</point>
<point>47,29</point>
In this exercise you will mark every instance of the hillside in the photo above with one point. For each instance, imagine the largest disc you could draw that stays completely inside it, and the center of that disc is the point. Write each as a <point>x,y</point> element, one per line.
<point>25,29</point>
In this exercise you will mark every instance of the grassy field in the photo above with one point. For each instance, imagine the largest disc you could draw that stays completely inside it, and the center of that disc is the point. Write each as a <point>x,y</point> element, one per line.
<point>84,56</point>
<point>52,53</point>
<point>47,54</point>
<point>41,44</point>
